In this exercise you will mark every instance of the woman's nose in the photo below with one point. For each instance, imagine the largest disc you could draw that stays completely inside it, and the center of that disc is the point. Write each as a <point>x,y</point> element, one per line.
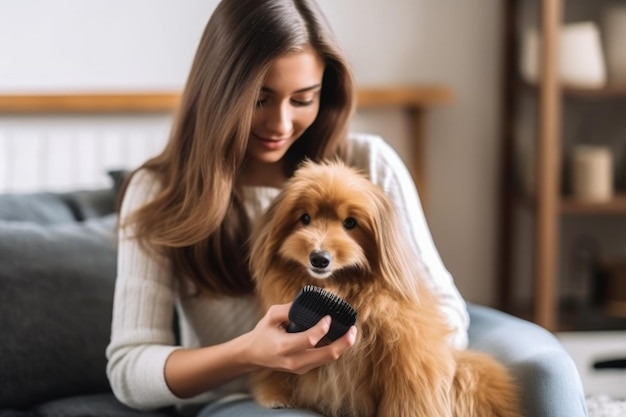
<point>278,120</point>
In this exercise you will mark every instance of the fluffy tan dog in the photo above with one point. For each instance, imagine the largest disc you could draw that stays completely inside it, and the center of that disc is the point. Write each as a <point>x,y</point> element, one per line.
<point>402,363</point>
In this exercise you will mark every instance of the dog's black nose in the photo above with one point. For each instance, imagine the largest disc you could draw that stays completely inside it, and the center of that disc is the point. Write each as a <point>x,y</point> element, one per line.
<point>320,259</point>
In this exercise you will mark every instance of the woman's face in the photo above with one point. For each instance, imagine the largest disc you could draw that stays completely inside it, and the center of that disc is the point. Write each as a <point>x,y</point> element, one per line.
<point>288,104</point>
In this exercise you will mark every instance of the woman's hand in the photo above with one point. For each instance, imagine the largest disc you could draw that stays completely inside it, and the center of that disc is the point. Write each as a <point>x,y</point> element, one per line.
<point>189,372</point>
<point>270,346</point>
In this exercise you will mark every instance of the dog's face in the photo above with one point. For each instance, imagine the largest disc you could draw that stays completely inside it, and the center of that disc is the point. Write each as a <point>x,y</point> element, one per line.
<point>329,233</point>
<point>326,223</point>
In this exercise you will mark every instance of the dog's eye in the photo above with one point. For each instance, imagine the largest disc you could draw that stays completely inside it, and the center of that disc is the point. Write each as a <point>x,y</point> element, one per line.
<point>306,219</point>
<point>349,223</point>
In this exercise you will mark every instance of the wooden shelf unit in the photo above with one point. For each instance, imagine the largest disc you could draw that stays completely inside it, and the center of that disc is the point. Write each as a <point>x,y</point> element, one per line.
<point>548,204</point>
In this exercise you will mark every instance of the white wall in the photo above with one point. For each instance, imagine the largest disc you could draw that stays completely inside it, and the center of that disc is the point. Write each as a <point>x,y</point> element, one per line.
<point>65,45</point>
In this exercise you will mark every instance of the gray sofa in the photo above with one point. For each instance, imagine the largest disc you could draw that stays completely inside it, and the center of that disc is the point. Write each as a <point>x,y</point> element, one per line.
<point>57,273</point>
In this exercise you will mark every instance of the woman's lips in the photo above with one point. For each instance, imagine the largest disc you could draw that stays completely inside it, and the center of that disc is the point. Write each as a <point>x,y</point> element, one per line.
<point>270,144</point>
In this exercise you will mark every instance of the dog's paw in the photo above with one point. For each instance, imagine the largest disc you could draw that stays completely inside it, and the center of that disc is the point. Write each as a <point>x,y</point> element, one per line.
<point>273,399</point>
<point>272,390</point>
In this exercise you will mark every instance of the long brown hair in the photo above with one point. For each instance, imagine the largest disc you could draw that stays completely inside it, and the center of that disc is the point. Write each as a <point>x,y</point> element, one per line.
<point>197,219</point>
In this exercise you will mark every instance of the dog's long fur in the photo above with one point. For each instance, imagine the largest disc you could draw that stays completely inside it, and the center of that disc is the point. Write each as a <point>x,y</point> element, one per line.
<point>402,363</point>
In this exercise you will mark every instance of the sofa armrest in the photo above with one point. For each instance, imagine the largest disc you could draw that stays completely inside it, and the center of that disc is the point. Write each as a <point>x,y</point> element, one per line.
<point>548,378</point>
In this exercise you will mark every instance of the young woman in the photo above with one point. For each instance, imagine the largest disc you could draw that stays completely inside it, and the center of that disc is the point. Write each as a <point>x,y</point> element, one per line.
<point>268,87</point>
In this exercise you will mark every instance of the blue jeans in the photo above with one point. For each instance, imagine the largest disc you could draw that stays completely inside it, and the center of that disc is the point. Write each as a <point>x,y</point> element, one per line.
<point>246,406</point>
<point>547,375</point>
<point>548,378</point>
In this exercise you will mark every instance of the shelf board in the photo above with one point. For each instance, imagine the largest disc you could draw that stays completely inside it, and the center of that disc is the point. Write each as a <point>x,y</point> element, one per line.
<point>608,91</point>
<point>611,90</point>
<point>617,205</point>
<point>571,205</point>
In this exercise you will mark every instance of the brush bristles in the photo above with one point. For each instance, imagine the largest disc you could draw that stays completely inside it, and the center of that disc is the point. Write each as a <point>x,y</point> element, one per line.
<point>323,301</point>
<point>312,303</point>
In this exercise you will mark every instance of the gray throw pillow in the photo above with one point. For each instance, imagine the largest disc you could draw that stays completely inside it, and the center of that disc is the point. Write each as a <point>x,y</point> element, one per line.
<point>56,292</point>
<point>42,208</point>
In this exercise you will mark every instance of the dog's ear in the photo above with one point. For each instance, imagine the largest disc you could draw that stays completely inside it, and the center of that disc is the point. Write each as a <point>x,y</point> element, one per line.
<point>397,262</point>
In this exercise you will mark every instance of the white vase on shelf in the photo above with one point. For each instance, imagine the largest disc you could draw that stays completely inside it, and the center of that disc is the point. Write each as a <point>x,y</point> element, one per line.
<point>581,59</point>
<point>591,173</point>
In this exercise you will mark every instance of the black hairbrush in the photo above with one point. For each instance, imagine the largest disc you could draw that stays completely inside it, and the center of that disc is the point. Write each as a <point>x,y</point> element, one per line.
<point>312,303</point>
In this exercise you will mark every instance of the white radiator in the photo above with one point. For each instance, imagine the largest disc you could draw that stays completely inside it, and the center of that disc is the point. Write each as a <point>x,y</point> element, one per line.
<point>70,152</point>
<point>65,151</point>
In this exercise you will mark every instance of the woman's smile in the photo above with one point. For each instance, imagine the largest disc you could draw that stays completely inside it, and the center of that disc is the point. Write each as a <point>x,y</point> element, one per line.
<point>269,143</point>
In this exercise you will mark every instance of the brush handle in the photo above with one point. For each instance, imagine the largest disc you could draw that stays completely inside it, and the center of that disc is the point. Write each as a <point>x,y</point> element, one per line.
<point>295,328</point>
<point>302,318</point>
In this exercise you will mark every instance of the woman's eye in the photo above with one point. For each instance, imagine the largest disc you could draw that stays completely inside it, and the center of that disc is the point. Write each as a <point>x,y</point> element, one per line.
<point>349,223</point>
<point>305,219</point>
<point>260,102</point>
<point>302,103</point>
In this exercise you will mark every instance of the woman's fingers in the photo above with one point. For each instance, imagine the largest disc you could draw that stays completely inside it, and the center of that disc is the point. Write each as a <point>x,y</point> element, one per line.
<point>278,314</point>
<point>272,347</point>
<point>311,337</point>
<point>314,357</point>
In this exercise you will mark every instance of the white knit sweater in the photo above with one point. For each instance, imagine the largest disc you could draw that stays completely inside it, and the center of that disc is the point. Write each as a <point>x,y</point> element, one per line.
<point>146,293</point>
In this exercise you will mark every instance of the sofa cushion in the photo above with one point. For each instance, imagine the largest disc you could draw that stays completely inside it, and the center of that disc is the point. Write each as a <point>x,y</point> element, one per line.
<point>56,292</point>
<point>118,176</point>
<point>42,208</point>
<point>89,204</point>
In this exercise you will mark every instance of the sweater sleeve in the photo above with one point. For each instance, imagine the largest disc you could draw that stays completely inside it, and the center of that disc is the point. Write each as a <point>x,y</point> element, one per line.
<point>141,332</point>
<point>387,169</point>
